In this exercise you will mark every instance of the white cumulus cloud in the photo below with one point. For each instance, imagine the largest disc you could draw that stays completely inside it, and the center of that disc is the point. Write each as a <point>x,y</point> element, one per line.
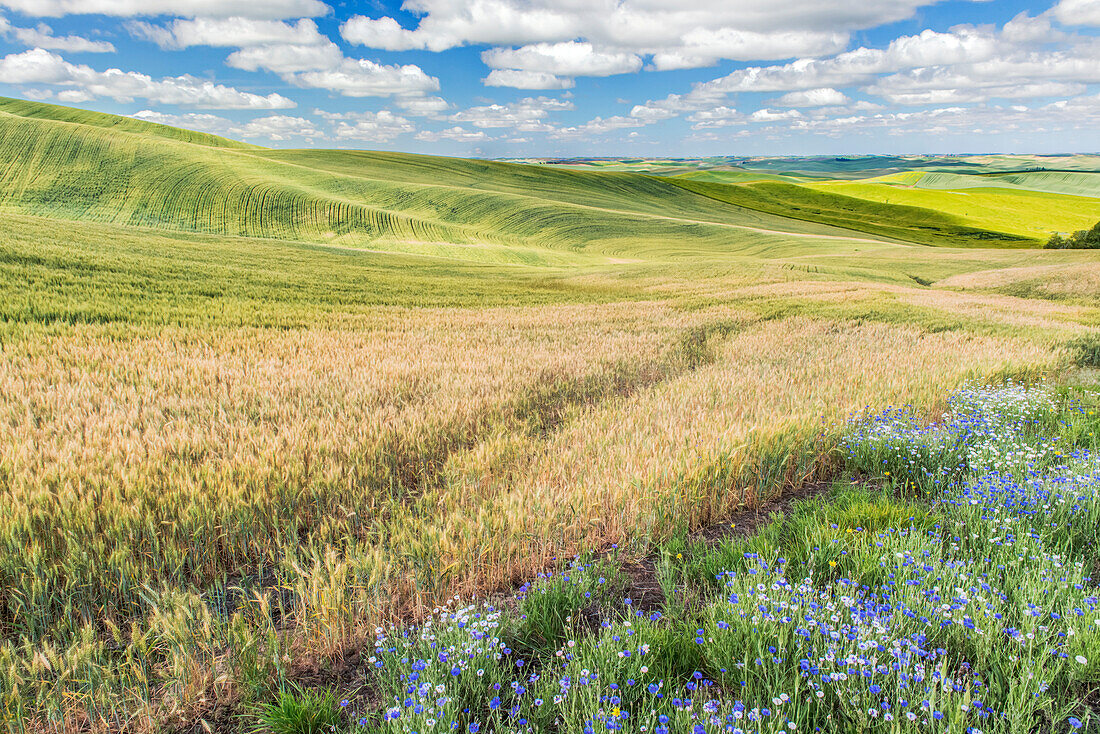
<point>39,66</point>
<point>385,33</point>
<point>559,40</point>
<point>721,116</point>
<point>287,58</point>
<point>599,126</point>
<point>365,78</point>
<point>279,128</point>
<point>707,46</point>
<point>41,36</point>
<point>526,115</point>
<point>457,134</point>
<point>298,52</point>
<point>569,58</point>
<point>819,97</point>
<point>186,8</point>
<point>379,127</point>
<point>202,121</point>
<point>239,32</point>
<point>422,106</point>
<point>1078,12</point>
<point>520,79</point>
<point>770,115</point>
<point>863,66</point>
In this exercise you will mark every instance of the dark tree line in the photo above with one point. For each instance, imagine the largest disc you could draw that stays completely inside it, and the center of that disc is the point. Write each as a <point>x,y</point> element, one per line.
<point>1086,239</point>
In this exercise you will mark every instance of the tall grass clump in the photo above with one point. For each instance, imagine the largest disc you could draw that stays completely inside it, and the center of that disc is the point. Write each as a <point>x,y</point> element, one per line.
<point>298,710</point>
<point>556,603</point>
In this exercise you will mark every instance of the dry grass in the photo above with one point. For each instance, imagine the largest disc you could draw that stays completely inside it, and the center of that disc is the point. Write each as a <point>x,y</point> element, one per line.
<point>1081,280</point>
<point>232,427</point>
<point>704,443</point>
<point>146,472</point>
<point>181,498</point>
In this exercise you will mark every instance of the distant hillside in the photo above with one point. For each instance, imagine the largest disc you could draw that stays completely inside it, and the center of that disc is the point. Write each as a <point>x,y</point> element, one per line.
<point>914,224</point>
<point>1074,183</point>
<point>57,113</point>
<point>80,165</point>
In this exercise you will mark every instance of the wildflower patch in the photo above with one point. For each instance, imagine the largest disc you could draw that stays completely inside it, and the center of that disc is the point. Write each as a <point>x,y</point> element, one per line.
<point>979,616</point>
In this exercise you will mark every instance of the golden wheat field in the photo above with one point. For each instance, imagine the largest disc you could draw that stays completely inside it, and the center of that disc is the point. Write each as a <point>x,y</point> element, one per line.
<point>229,456</point>
<point>170,490</point>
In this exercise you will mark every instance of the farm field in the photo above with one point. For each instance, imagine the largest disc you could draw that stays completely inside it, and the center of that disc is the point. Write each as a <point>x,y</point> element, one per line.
<point>256,405</point>
<point>936,200</point>
<point>989,207</point>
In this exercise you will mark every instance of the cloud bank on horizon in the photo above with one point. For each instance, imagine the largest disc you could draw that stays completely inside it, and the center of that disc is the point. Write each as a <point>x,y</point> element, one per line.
<point>577,77</point>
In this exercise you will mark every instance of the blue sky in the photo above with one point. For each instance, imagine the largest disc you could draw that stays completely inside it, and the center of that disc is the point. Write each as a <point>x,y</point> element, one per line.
<point>513,78</point>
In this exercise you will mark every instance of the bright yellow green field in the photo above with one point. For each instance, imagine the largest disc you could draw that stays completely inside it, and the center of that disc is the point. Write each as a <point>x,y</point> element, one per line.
<point>988,208</point>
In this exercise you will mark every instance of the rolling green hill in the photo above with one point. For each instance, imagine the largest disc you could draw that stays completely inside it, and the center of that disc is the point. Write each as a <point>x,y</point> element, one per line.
<point>1074,183</point>
<point>57,113</point>
<point>83,166</point>
<point>908,223</point>
<point>946,200</point>
<point>730,176</point>
<point>80,165</point>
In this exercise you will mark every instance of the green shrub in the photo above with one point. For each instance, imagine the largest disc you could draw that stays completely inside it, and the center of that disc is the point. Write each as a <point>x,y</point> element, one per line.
<point>299,710</point>
<point>1085,239</point>
<point>549,608</point>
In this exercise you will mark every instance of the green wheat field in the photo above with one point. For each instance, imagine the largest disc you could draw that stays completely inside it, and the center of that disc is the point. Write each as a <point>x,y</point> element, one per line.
<point>257,404</point>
